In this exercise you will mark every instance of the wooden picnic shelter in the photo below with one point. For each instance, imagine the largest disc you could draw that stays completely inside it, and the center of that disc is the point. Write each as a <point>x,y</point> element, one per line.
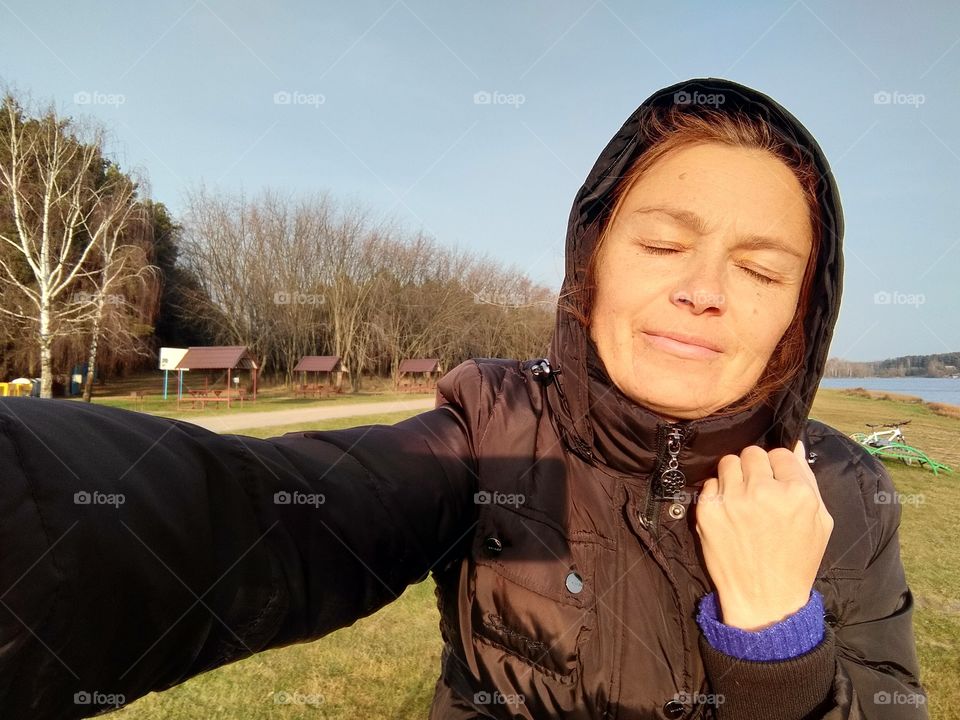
<point>418,374</point>
<point>229,358</point>
<point>329,375</point>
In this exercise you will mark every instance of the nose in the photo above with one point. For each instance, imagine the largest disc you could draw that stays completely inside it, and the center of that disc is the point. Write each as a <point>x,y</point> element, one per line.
<point>701,289</point>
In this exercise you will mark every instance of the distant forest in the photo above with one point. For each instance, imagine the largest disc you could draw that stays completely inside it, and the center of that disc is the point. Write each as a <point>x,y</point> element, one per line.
<point>939,365</point>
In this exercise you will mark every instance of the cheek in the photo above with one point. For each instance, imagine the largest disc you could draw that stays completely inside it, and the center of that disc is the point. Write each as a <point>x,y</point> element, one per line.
<point>766,318</point>
<point>623,292</point>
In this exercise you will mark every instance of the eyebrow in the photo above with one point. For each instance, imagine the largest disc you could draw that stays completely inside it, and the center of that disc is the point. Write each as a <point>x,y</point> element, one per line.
<point>698,225</point>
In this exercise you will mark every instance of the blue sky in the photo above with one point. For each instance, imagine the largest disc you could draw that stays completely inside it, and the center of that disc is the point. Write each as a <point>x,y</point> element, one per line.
<point>375,101</point>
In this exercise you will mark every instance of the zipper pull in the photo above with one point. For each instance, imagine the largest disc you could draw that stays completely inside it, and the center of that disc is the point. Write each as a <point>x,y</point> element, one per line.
<point>672,478</point>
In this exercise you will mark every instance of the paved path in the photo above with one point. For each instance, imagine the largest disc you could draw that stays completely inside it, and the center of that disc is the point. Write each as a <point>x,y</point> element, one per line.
<point>240,421</point>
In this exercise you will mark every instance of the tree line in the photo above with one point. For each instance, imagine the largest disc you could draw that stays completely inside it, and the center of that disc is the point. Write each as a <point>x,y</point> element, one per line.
<point>92,270</point>
<point>300,275</point>
<point>936,365</point>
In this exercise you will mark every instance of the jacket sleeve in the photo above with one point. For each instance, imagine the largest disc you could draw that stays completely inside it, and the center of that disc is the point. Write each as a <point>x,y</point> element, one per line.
<point>864,668</point>
<point>136,551</point>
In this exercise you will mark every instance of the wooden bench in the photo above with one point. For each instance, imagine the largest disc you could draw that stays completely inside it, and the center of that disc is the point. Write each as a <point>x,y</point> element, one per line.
<point>317,391</point>
<point>200,398</point>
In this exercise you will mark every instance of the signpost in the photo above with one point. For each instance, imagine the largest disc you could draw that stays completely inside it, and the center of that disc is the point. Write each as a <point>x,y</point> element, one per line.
<point>169,357</point>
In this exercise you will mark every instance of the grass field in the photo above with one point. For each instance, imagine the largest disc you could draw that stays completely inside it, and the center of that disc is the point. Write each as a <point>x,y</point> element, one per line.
<point>385,666</point>
<point>117,393</point>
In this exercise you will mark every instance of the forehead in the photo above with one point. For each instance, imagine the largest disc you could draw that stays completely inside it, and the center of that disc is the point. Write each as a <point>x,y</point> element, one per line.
<point>751,189</point>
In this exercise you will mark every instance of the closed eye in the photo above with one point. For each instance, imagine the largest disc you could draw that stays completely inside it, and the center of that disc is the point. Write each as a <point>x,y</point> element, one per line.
<point>653,250</point>
<point>758,276</point>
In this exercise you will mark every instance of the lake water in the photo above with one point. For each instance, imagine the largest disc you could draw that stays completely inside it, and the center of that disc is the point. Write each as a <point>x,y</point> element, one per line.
<point>944,390</point>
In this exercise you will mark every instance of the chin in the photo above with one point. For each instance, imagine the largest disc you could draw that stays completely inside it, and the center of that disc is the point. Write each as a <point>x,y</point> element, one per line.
<point>675,400</point>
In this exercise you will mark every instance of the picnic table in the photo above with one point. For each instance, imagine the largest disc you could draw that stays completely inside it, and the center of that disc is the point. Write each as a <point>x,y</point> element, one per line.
<point>417,387</point>
<point>200,398</point>
<point>314,390</point>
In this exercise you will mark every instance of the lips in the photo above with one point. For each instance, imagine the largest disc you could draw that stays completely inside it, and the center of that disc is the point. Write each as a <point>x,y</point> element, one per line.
<point>683,345</point>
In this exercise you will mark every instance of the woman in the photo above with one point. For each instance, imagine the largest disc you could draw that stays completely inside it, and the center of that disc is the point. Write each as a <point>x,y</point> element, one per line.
<point>644,524</point>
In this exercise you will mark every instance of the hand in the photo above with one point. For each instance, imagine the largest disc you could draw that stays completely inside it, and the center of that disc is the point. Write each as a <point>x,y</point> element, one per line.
<point>764,528</point>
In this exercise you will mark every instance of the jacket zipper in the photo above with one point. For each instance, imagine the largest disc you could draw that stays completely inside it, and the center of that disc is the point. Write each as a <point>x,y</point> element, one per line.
<point>667,479</point>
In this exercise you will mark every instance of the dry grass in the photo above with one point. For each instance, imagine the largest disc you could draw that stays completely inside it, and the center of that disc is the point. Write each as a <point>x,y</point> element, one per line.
<point>385,665</point>
<point>938,408</point>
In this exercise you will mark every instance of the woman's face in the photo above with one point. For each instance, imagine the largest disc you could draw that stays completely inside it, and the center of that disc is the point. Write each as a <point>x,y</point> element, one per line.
<point>709,246</point>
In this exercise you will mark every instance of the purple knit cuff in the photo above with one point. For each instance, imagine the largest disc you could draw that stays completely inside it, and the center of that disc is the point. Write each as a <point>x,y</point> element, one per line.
<point>794,635</point>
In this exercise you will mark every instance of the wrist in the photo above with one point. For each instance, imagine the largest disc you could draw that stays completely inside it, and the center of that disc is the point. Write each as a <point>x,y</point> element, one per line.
<point>791,637</point>
<point>753,617</point>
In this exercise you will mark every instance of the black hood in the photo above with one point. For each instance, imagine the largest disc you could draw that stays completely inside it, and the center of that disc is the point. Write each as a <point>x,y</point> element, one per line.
<point>596,420</point>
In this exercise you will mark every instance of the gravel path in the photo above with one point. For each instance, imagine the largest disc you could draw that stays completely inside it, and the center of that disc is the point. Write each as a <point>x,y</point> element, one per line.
<point>233,423</point>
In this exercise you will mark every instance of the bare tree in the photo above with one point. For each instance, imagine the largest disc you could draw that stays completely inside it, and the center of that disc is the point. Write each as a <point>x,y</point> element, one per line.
<point>116,224</point>
<point>47,170</point>
<point>292,277</point>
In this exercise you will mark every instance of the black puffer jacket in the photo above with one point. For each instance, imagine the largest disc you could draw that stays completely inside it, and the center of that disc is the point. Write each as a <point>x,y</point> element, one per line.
<point>136,552</point>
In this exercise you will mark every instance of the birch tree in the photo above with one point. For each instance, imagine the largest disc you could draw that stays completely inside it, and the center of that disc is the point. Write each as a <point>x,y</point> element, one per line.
<point>47,168</point>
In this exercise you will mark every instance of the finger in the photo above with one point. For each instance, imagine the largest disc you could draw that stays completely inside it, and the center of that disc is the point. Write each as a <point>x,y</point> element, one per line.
<point>709,489</point>
<point>800,451</point>
<point>788,468</point>
<point>756,465</point>
<point>729,474</point>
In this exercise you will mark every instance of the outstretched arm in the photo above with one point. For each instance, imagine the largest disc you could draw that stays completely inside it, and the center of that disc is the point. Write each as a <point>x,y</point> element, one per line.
<point>136,551</point>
